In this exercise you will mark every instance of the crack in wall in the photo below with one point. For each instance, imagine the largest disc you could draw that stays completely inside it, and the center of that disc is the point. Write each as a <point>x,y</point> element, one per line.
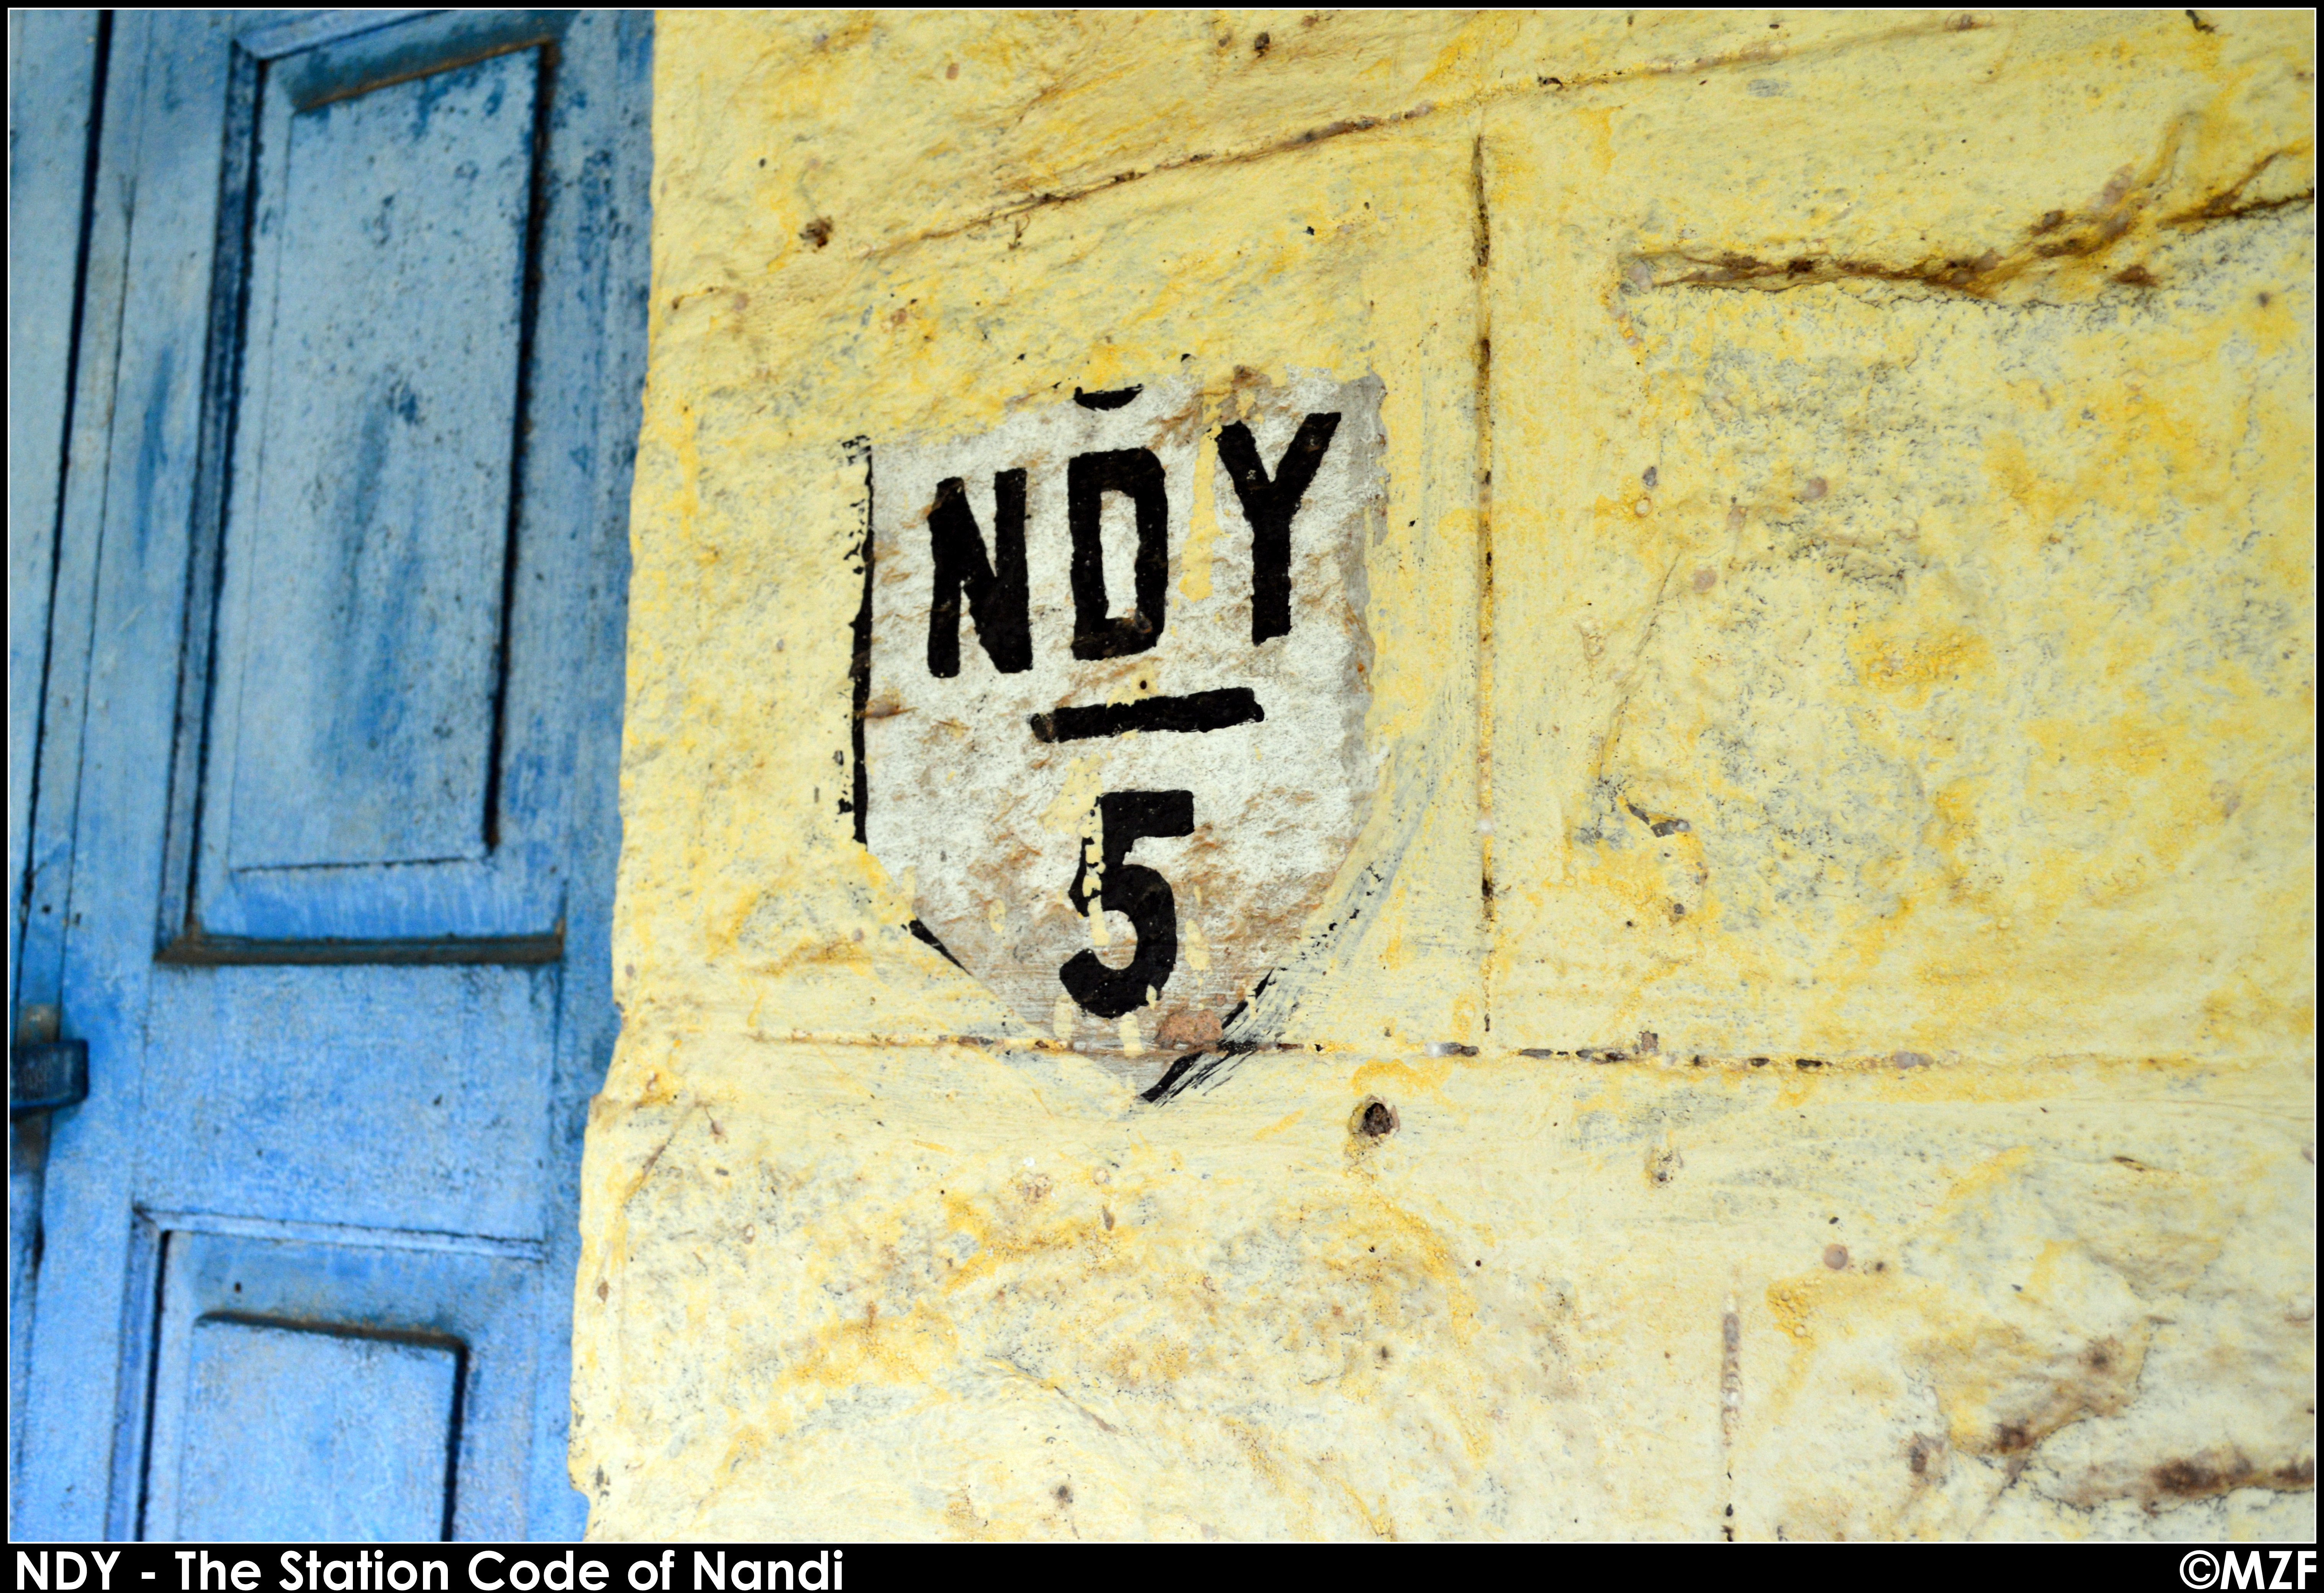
<point>2128,207</point>
<point>1484,574</point>
<point>1476,100</point>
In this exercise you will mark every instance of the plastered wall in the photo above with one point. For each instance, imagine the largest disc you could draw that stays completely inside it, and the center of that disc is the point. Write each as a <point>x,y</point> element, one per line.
<point>1833,921</point>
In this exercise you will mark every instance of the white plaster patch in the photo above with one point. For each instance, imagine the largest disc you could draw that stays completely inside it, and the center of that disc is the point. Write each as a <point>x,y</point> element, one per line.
<point>1136,706</point>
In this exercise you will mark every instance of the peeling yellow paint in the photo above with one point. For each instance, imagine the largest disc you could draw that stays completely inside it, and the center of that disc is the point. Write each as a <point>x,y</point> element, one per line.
<point>1833,937</point>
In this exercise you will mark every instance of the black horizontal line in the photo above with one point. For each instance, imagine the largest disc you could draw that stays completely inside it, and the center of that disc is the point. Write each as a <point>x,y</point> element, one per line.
<point>1202,710</point>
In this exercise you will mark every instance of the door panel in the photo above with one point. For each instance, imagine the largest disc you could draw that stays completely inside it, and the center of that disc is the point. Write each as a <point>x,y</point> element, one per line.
<point>335,899</point>
<point>292,1432</point>
<point>368,1385</point>
<point>379,751</point>
<point>380,414</point>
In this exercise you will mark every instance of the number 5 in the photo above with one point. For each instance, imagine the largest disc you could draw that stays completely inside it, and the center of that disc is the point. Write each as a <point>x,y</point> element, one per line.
<point>1138,894</point>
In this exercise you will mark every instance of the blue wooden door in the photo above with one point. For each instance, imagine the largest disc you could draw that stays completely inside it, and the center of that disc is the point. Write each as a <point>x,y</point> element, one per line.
<point>320,841</point>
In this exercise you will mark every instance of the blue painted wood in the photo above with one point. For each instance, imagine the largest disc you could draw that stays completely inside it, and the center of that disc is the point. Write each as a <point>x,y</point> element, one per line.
<point>309,1108</point>
<point>54,818</point>
<point>51,81</point>
<point>136,489</point>
<point>567,664</point>
<point>292,1433</point>
<point>514,893</point>
<point>367,535</point>
<point>427,1087</point>
<point>52,74</point>
<point>475,1301</point>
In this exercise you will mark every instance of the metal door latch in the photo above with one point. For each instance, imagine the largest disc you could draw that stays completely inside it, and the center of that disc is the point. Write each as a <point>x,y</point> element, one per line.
<point>45,1072</point>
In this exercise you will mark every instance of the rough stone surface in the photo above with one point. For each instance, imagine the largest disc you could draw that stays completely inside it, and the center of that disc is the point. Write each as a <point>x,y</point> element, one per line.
<point>1831,924</point>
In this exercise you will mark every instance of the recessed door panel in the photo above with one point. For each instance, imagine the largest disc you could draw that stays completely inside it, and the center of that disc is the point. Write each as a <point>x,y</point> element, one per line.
<point>364,560</point>
<point>299,1432</point>
<point>369,768</point>
<point>336,1384</point>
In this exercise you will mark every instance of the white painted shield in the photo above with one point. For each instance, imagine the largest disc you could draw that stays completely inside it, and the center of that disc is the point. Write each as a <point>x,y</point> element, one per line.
<point>1112,718</point>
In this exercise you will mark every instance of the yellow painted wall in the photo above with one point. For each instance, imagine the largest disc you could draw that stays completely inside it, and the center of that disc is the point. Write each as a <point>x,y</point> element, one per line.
<point>1883,442</point>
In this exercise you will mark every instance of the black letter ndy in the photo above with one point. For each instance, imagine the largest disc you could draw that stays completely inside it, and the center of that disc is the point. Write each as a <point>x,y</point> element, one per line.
<point>1268,506</point>
<point>996,596</point>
